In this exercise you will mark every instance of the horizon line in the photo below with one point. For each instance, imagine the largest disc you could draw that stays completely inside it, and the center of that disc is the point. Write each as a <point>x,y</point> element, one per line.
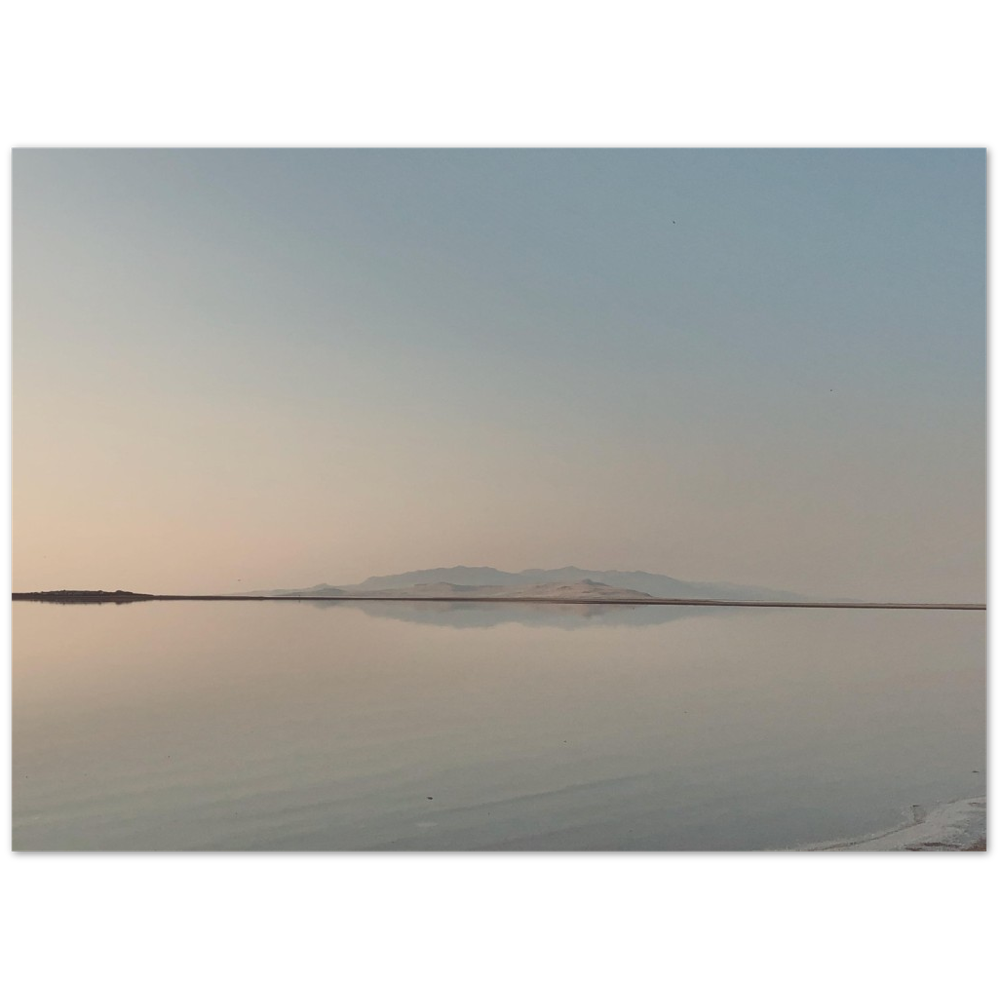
<point>124,596</point>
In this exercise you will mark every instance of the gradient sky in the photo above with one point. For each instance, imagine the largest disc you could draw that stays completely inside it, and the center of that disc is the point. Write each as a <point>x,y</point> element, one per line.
<point>237,369</point>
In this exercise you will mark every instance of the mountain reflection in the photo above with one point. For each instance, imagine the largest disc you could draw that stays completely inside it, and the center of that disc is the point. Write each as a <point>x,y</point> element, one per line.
<point>462,614</point>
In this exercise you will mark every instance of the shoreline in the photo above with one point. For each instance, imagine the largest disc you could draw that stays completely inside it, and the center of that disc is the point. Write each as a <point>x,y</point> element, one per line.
<point>959,825</point>
<point>124,597</point>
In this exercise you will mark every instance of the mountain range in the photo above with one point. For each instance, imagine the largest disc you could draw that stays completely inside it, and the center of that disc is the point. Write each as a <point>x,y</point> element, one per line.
<point>569,582</point>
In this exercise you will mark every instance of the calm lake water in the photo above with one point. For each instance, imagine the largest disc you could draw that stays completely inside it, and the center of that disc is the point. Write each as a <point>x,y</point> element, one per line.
<point>307,726</point>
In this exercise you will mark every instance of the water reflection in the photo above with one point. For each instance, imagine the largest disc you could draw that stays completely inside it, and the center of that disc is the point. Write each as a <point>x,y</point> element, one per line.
<point>467,614</point>
<point>229,725</point>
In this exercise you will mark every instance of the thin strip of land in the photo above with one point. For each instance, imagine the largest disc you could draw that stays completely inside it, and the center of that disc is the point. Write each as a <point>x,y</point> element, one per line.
<point>124,596</point>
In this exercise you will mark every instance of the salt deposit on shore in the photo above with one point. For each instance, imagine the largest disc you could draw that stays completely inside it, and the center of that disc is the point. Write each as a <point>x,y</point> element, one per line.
<point>953,826</point>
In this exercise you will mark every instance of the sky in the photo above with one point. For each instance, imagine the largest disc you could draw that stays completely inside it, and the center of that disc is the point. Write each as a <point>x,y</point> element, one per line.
<point>236,369</point>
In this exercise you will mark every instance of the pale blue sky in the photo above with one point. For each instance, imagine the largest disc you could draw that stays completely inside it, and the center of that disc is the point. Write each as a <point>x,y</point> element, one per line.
<point>285,367</point>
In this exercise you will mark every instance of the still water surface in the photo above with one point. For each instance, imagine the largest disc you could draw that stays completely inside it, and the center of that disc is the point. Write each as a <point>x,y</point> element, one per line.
<point>323,726</point>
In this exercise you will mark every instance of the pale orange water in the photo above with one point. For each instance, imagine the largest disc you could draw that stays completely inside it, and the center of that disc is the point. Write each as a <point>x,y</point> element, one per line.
<point>293,726</point>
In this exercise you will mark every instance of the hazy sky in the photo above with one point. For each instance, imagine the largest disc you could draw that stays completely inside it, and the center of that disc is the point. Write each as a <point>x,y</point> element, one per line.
<point>237,369</point>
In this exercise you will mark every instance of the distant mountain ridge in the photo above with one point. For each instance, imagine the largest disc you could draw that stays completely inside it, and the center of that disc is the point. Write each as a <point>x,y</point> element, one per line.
<point>320,590</point>
<point>488,581</point>
<point>578,590</point>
